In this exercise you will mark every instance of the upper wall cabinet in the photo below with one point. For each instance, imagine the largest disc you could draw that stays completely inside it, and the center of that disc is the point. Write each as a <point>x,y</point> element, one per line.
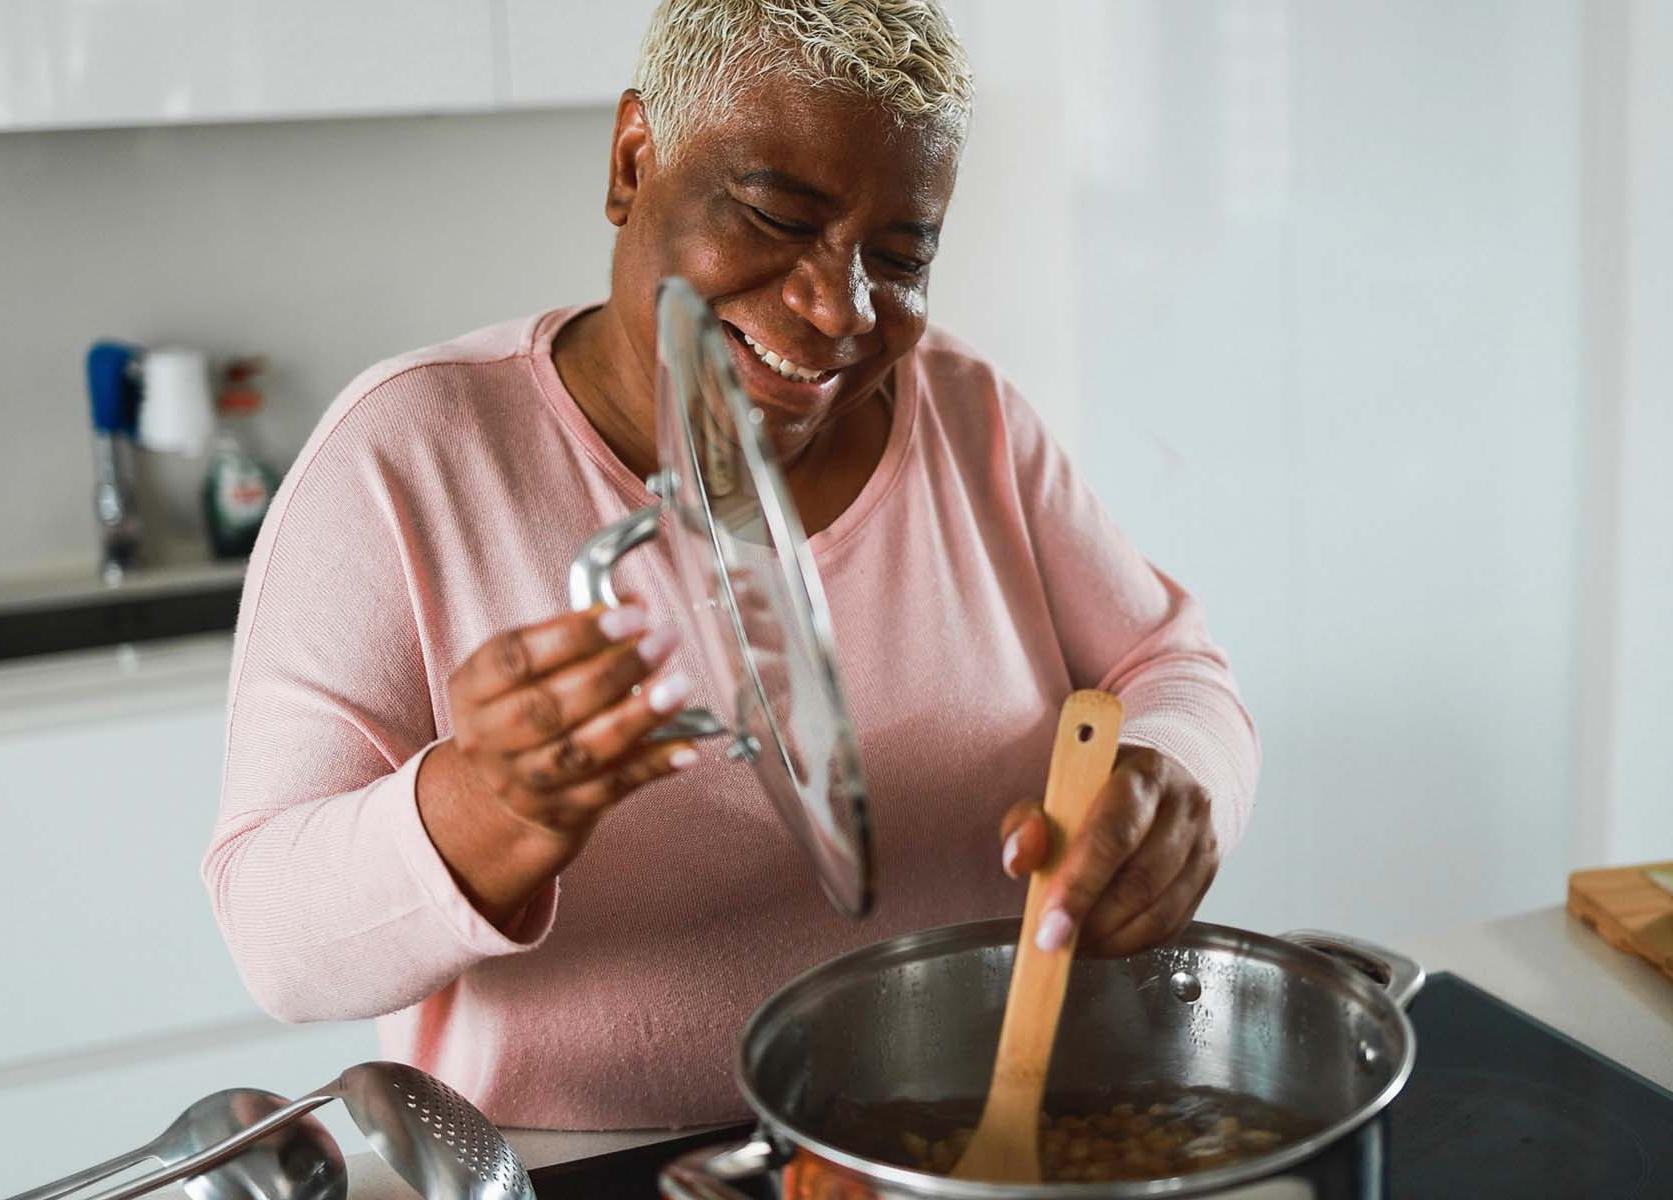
<point>572,51</point>
<point>67,64</point>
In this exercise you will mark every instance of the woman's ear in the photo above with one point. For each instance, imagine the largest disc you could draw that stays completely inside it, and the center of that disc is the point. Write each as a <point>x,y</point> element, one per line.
<point>632,157</point>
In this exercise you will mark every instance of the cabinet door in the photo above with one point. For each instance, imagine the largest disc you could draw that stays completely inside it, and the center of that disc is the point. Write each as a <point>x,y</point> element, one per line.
<point>143,62</point>
<point>107,930</point>
<point>119,1003</point>
<point>572,51</point>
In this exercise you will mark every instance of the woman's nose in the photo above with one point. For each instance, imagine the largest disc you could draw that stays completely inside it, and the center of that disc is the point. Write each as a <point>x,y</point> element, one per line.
<point>832,292</point>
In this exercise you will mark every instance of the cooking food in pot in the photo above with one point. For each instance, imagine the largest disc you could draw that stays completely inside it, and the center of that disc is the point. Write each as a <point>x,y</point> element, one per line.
<point>842,1064</point>
<point>1144,1133</point>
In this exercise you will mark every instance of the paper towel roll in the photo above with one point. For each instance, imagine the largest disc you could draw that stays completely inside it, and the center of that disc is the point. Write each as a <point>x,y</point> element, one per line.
<point>177,407</point>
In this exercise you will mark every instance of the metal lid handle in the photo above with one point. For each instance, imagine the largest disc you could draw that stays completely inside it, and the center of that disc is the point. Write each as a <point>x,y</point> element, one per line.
<point>590,583</point>
<point>1400,976</point>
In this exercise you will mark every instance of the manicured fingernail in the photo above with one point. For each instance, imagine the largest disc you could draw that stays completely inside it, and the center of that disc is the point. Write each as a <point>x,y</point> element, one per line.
<point>1054,931</point>
<point>683,758</point>
<point>619,623</point>
<point>1008,856</point>
<point>656,646</point>
<point>669,692</point>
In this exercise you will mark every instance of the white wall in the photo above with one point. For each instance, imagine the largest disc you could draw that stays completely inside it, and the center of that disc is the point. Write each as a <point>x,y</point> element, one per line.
<point>1626,757</point>
<point>1004,276</point>
<point>1331,277</point>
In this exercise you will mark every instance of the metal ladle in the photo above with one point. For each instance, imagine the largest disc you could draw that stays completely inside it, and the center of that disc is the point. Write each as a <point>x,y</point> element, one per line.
<point>301,1162</point>
<point>432,1136</point>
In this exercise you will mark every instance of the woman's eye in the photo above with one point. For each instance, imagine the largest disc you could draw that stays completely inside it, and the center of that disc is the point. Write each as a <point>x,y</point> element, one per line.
<point>909,267</point>
<point>772,222</point>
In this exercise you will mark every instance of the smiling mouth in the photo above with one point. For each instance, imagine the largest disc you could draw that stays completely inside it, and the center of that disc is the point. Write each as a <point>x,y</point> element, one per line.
<point>774,361</point>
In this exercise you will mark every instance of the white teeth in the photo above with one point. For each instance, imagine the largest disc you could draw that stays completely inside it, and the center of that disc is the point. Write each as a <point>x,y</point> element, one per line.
<point>779,363</point>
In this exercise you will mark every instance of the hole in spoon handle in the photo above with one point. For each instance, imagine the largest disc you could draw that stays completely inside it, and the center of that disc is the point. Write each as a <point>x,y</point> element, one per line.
<point>1088,735</point>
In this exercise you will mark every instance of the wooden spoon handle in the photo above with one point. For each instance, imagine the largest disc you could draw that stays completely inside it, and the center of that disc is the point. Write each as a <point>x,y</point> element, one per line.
<point>1088,735</point>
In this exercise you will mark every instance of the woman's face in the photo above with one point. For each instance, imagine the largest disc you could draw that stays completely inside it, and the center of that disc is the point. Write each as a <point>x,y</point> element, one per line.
<point>808,221</point>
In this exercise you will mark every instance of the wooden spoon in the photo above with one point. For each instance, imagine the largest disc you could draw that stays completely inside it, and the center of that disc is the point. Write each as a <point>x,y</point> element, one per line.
<point>1005,1148</point>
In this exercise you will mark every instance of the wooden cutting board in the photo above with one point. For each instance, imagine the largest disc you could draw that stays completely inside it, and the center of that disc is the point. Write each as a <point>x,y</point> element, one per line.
<point>1627,910</point>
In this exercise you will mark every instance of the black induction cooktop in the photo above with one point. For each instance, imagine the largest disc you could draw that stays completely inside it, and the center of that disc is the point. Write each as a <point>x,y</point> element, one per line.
<point>1503,1105</point>
<point>1499,1105</point>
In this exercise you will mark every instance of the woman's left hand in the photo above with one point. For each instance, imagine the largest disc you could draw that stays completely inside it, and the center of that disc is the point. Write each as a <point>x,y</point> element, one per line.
<point>1134,876</point>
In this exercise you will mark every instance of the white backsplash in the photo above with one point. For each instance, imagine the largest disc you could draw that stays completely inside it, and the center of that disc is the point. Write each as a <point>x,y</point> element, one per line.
<point>324,245</point>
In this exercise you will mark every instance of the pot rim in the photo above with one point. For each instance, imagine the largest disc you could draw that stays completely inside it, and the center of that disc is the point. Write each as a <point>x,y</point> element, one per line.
<point>1004,931</point>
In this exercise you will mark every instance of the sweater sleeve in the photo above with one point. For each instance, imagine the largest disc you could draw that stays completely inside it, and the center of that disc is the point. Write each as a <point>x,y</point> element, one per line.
<point>327,889</point>
<point>1126,627</point>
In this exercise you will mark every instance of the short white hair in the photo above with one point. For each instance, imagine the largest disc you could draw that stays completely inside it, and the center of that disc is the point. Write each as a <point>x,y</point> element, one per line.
<point>700,56</point>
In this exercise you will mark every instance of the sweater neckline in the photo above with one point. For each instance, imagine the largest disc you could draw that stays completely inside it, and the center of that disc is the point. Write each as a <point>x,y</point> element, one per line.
<point>902,419</point>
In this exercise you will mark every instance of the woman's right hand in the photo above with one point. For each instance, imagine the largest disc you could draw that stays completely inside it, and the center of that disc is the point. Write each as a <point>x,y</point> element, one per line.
<point>547,738</point>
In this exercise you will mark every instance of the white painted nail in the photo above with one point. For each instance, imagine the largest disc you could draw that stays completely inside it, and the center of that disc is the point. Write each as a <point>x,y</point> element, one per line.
<point>1054,931</point>
<point>656,646</point>
<point>619,623</point>
<point>683,758</point>
<point>669,692</point>
<point>1008,856</point>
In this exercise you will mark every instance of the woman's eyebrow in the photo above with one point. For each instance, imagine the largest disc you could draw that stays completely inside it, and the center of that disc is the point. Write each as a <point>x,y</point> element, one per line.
<point>768,177</point>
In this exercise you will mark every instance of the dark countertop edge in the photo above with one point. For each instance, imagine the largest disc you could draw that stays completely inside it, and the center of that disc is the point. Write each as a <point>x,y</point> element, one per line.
<point>118,615</point>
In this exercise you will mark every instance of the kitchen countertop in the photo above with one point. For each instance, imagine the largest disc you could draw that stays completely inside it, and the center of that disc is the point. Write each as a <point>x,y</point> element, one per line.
<point>1544,962</point>
<point>110,682</point>
<point>1552,967</point>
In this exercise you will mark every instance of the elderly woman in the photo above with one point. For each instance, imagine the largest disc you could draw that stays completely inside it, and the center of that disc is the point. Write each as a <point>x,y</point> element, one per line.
<point>440,808</point>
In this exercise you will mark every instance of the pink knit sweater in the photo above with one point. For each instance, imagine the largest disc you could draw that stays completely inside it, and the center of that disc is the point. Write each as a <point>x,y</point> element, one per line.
<point>973,584</point>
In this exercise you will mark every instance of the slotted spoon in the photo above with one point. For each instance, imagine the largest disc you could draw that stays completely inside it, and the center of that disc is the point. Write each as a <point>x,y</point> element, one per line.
<point>432,1136</point>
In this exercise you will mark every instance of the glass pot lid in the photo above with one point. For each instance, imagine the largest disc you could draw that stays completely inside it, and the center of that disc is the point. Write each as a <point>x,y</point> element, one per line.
<point>752,599</point>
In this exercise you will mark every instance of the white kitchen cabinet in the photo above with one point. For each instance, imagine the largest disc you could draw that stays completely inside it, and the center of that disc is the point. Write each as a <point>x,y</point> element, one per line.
<point>108,934</point>
<point>572,51</point>
<point>88,63</point>
<point>119,1003</point>
<point>82,64</point>
<point>110,765</point>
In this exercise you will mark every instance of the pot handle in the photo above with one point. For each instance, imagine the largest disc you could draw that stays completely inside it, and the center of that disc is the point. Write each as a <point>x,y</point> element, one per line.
<point>590,583</point>
<point>708,1174</point>
<point>1400,976</point>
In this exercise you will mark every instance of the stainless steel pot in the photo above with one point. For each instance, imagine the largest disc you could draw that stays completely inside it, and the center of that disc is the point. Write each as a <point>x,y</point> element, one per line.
<point>1312,1022</point>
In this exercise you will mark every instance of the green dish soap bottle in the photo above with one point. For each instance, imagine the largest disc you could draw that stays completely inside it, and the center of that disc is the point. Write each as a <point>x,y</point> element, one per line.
<point>238,487</point>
